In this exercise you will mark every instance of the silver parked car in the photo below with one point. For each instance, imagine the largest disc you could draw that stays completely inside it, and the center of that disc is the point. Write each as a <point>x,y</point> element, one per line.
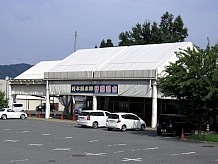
<point>6,113</point>
<point>78,110</point>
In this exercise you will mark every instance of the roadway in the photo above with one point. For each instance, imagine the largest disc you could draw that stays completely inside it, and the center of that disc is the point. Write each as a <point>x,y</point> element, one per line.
<point>39,141</point>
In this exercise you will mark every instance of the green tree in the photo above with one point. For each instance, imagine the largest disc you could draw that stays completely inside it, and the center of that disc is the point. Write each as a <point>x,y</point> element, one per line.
<point>193,80</point>
<point>168,31</point>
<point>156,33</point>
<point>3,101</point>
<point>108,43</point>
<point>140,35</point>
<point>125,38</point>
<point>172,31</point>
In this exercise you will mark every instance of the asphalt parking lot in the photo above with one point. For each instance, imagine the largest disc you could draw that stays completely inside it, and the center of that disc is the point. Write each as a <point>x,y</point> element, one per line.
<point>38,141</point>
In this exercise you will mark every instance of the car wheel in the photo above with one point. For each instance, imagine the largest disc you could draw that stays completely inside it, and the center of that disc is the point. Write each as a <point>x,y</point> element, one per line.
<point>192,132</point>
<point>174,133</point>
<point>142,127</point>
<point>95,125</point>
<point>109,129</point>
<point>22,116</point>
<point>123,128</point>
<point>4,117</point>
<point>159,132</point>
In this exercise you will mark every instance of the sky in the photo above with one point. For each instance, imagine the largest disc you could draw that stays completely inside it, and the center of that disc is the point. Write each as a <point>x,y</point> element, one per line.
<point>44,30</point>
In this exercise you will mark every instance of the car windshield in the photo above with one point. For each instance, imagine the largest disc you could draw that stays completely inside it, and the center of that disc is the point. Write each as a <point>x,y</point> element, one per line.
<point>84,113</point>
<point>165,119</point>
<point>18,105</point>
<point>86,108</point>
<point>2,110</point>
<point>169,119</point>
<point>113,116</point>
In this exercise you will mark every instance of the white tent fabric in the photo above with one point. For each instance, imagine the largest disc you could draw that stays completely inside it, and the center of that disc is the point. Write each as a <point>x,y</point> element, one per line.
<point>134,90</point>
<point>37,71</point>
<point>113,64</point>
<point>140,61</point>
<point>31,81</point>
<point>38,90</point>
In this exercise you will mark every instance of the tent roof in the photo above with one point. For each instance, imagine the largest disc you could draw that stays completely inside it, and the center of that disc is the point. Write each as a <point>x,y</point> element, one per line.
<point>139,61</point>
<point>37,71</point>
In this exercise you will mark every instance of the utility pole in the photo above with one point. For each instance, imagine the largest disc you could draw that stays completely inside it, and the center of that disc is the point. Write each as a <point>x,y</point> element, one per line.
<point>75,41</point>
<point>6,90</point>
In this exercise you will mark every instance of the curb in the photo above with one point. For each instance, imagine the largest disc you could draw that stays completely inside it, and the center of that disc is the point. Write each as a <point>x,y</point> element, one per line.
<point>70,121</point>
<point>52,119</point>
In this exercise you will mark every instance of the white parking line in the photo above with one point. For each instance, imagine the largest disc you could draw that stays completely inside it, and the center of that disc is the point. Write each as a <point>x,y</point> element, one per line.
<point>129,159</point>
<point>121,151</point>
<point>151,148</point>
<point>62,149</point>
<point>118,152</point>
<point>118,145</point>
<point>46,134</point>
<point>168,137</point>
<point>183,153</point>
<point>98,154</point>
<point>25,132</point>
<point>10,141</point>
<point>62,138</point>
<point>35,144</point>
<point>6,129</point>
<point>20,160</point>
<point>93,141</point>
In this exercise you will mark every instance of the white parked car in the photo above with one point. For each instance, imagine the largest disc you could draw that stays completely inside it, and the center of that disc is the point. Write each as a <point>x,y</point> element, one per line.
<point>9,113</point>
<point>18,107</point>
<point>93,118</point>
<point>124,121</point>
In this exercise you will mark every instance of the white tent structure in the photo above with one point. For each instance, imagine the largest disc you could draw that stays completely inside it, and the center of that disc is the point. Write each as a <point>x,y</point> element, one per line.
<point>30,82</point>
<point>129,71</point>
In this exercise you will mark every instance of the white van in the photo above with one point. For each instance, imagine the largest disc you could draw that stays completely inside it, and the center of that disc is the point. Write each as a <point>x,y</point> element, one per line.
<point>93,118</point>
<point>18,107</point>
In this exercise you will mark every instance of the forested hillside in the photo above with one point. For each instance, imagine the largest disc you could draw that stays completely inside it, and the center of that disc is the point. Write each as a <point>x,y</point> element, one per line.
<point>13,70</point>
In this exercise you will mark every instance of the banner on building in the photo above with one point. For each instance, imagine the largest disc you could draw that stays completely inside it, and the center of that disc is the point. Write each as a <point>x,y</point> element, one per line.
<point>101,88</point>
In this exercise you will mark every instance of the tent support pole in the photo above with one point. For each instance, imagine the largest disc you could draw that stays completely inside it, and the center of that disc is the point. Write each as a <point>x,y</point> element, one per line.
<point>154,105</point>
<point>47,111</point>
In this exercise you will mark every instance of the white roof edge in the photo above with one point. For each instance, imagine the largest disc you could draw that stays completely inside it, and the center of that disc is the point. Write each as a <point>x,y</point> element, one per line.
<point>44,69</point>
<point>174,58</point>
<point>37,71</point>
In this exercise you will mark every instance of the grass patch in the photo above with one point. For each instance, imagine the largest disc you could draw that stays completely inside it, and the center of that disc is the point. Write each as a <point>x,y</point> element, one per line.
<point>205,137</point>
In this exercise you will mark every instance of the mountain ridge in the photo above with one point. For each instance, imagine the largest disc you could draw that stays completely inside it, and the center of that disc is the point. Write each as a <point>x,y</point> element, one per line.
<point>13,70</point>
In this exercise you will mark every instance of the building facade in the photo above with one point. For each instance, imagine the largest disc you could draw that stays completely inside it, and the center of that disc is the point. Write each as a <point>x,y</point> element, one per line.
<point>114,79</point>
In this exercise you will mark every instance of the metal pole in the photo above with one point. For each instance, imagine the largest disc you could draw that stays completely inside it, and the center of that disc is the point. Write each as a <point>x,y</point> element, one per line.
<point>154,105</point>
<point>94,105</point>
<point>47,111</point>
<point>6,91</point>
<point>75,41</point>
